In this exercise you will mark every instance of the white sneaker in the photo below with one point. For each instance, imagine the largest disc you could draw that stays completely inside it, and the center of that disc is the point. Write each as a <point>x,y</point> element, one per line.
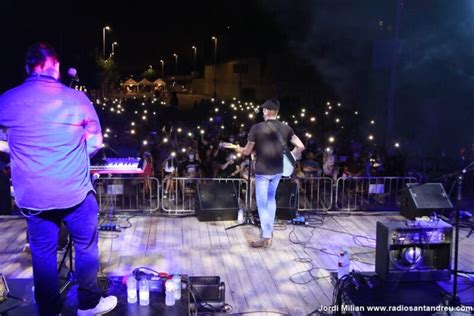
<point>105,305</point>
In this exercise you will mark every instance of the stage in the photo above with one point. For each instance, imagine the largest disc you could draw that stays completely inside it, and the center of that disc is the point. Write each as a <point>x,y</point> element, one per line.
<point>293,276</point>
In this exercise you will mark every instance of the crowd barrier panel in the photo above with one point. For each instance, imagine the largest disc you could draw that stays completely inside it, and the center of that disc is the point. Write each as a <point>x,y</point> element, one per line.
<point>370,193</point>
<point>314,193</point>
<point>181,198</point>
<point>127,194</point>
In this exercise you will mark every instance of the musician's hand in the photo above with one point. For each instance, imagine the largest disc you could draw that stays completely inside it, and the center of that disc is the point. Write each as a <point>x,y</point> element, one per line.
<point>238,149</point>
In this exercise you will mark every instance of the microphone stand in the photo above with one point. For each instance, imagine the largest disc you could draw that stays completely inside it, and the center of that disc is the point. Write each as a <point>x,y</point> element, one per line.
<point>454,299</point>
<point>248,220</point>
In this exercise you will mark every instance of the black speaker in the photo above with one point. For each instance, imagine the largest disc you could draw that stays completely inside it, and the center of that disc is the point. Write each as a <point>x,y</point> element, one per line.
<point>216,201</point>
<point>423,200</point>
<point>286,200</point>
<point>413,250</point>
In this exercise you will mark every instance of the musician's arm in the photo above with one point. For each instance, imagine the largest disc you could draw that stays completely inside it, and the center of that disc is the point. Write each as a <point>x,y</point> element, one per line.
<point>247,150</point>
<point>92,129</point>
<point>299,146</point>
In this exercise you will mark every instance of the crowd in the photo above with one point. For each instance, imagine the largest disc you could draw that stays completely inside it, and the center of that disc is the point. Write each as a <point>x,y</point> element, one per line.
<point>189,143</point>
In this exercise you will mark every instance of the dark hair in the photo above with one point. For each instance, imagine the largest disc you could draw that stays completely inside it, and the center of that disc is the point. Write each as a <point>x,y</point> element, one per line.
<point>37,54</point>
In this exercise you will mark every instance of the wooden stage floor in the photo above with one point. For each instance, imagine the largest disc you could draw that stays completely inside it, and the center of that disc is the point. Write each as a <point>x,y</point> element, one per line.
<point>290,277</point>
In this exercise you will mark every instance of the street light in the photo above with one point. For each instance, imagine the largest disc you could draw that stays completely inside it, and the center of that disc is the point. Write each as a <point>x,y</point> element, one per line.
<point>195,57</point>
<point>103,39</point>
<point>176,63</point>
<point>215,62</point>
<point>162,69</point>
<point>113,47</point>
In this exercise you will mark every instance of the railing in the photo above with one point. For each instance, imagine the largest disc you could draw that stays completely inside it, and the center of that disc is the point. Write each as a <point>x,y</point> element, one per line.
<point>181,196</point>
<point>314,193</point>
<point>128,194</point>
<point>370,193</point>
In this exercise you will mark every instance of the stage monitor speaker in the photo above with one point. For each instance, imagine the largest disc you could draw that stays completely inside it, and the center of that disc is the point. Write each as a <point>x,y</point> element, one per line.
<point>216,201</point>
<point>423,200</point>
<point>413,250</point>
<point>286,200</point>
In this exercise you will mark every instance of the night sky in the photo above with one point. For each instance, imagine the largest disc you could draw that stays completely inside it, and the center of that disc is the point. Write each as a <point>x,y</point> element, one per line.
<point>343,41</point>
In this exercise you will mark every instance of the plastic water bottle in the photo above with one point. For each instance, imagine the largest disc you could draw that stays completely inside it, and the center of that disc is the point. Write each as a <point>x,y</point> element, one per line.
<point>144,292</point>
<point>240,216</point>
<point>169,292</point>
<point>177,284</point>
<point>131,289</point>
<point>343,263</point>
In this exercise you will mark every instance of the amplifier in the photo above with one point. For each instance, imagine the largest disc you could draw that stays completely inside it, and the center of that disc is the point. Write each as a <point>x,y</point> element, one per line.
<point>413,250</point>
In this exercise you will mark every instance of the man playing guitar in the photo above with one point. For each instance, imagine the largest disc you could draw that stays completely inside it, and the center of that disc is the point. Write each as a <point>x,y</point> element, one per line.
<point>267,139</point>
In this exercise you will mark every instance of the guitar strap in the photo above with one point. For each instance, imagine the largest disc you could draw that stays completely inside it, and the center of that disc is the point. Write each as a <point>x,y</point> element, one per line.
<point>286,151</point>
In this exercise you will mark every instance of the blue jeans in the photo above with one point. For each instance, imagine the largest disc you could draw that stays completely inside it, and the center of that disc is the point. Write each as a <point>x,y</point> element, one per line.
<point>81,222</point>
<point>265,191</point>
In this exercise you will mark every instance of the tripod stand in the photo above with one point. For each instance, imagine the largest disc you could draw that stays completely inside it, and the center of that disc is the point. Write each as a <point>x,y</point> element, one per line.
<point>248,219</point>
<point>70,275</point>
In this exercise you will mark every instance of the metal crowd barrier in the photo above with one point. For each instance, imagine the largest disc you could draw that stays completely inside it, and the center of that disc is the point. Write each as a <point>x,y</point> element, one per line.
<point>370,193</point>
<point>116,194</point>
<point>128,194</point>
<point>181,198</point>
<point>314,193</point>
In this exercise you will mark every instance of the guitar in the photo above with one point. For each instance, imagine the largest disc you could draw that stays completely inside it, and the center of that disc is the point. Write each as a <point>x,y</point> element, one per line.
<point>288,163</point>
<point>4,147</point>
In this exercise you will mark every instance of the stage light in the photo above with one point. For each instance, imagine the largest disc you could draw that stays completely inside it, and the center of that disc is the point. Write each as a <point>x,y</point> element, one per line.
<point>202,131</point>
<point>173,154</point>
<point>372,122</point>
<point>211,119</point>
<point>371,137</point>
<point>250,116</point>
<point>356,113</point>
<point>145,143</point>
<point>165,140</point>
<point>397,145</point>
<point>133,123</point>
<point>331,139</point>
<point>144,117</point>
<point>179,130</point>
<point>216,110</point>
<point>313,119</point>
<point>132,131</point>
<point>327,113</point>
<point>337,120</point>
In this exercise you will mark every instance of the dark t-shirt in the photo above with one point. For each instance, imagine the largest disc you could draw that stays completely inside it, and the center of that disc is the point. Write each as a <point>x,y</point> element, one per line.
<point>268,147</point>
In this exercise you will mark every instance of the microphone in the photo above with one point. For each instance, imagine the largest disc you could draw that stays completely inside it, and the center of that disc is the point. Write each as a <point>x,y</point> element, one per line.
<point>72,73</point>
